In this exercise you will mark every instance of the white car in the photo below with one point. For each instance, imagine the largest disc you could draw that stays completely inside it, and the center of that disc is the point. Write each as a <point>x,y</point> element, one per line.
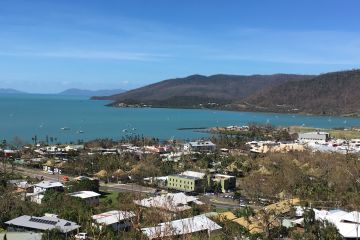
<point>81,236</point>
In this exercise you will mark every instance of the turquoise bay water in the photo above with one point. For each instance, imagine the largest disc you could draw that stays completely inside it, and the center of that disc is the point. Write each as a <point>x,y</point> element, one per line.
<point>25,116</point>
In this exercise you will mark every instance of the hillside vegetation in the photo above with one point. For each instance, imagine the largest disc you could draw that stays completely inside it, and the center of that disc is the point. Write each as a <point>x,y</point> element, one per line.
<point>336,93</point>
<point>197,89</point>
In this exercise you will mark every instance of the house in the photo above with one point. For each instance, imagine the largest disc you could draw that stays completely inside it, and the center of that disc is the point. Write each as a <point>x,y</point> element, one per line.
<point>21,235</point>
<point>200,146</point>
<point>40,189</point>
<point>118,220</point>
<point>41,224</point>
<point>181,227</point>
<point>91,198</point>
<point>314,136</point>
<point>188,181</point>
<point>8,153</point>
<point>347,223</point>
<point>174,202</point>
<point>48,185</point>
<point>255,224</point>
<point>22,186</point>
<point>227,182</point>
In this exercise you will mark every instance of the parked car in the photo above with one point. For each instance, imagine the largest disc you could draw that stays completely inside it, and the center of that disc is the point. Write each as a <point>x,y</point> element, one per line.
<point>81,236</point>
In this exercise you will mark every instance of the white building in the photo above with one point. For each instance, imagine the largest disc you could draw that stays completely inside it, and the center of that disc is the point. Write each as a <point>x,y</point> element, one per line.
<point>41,224</point>
<point>91,198</point>
<point>47,185</point>
<point>314,136</point>
<point>174,202</point>
<point>181,227</point>
<point>200,146</point>
<point>347,223</point>
<point>40,189</point>
<point>118,220</point>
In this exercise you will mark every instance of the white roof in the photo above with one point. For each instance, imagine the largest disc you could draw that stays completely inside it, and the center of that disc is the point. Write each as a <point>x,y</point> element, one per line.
<point>181,227</point>
<point>345,222</point>
<point>193,174</point>
<point>43,223</point>
<point>319,133</point>
<point>172,201</point>
<point>223,176</point>
<point>48,184</point>
<point>201,143</point>
<point>84,194</point>
<point>111,217</point>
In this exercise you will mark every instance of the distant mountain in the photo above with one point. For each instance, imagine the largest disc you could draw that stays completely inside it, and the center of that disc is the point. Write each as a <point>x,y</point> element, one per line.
<point>336,93</point>
<point>198,90</point>
<point>90,93</point>
<point>10,91</point>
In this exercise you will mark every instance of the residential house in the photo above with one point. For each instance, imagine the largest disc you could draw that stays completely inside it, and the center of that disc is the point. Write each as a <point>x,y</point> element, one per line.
<point>181,227</point>
<point>41,224</point>
<point>117,220</point>
<point>174,202</point>
<point>200,146</point>
<point>91,198</point>
<point>40,189</point>
<point>347,223</point>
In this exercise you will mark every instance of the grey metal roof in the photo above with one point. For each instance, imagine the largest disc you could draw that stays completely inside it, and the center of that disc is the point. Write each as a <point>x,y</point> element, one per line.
<point>21,235</point>
<point>43,223</point>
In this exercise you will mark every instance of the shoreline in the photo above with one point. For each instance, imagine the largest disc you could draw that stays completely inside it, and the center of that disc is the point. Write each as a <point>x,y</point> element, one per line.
<point>248,110</point>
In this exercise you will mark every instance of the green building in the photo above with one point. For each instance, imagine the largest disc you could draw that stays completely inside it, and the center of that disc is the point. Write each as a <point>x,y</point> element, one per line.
<point>227,182</point>
<point>188,181</point>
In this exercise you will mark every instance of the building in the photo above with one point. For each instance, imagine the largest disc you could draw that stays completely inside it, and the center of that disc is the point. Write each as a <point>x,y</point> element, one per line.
<point>200,146</point>
<point>91,198</point>
<point>41,224</point>
<point>255,224</point>
<point>314,136</point>
<point>40,189</point>
<point>118,220</point>
<point>187,181</point>
<point>21,235</point>
<point>174,202</point>
<point>181,227</point>
<point>347,223</point>
<point>227,182</point>
<point>21,186</point>
<point>48,185</point>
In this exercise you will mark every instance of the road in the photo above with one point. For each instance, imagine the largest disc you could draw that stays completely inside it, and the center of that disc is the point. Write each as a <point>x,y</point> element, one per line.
<point>37,173</point>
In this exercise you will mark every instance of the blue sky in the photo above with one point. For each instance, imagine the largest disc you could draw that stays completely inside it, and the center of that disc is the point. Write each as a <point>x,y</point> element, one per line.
<point>48,46</point>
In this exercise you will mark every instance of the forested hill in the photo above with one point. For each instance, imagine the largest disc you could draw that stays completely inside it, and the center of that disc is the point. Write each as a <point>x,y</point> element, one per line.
<point>336,93</point>
<point>198,90</point>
